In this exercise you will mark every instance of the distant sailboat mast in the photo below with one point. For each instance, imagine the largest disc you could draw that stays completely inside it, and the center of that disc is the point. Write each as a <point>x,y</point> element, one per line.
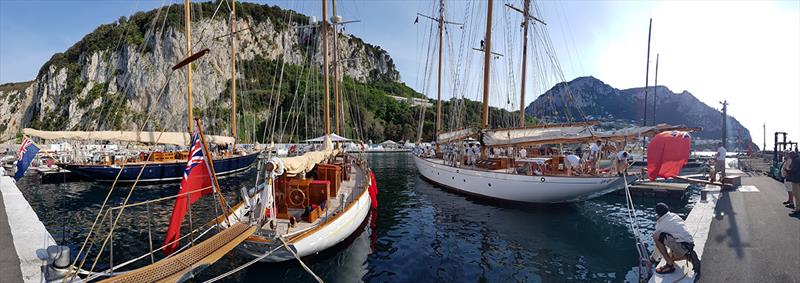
<point>188,33</point>
<point>655,91</point>
<point>647,73</point>
<point>233,71</point>
<point>325,69</point>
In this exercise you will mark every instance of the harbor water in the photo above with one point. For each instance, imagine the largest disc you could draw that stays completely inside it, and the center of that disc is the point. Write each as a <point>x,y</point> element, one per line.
<point>419,233</point>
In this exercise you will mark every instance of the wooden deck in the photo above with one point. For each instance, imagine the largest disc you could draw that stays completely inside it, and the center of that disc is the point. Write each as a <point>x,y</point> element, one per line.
<point>182,266</point>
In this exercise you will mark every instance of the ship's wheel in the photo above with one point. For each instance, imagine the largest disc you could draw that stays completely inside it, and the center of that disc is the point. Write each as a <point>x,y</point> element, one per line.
<point>297,197</point>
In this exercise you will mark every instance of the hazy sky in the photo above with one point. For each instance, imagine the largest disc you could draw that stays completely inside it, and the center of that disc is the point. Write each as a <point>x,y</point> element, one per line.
<point>745,52</point>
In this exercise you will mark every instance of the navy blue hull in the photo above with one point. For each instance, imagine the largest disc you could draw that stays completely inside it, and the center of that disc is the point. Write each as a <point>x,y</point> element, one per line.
<point>157,172</point>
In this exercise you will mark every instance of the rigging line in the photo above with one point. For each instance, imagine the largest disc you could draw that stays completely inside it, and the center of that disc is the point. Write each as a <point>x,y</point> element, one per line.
<point>300,260</point>
<point>243,266</point>
<point>108,196</point>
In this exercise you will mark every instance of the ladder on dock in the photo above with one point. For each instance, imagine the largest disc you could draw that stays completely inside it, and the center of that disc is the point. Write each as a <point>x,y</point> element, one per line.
<point>179,267</point>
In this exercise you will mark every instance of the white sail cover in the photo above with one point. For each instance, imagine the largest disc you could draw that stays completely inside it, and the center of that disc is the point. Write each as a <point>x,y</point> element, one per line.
<point>174,138</point>
<point>535,135</point>
<point>304,163</point>
<point>568,134</point>
<point>333,137</point>
<point>455,135</point>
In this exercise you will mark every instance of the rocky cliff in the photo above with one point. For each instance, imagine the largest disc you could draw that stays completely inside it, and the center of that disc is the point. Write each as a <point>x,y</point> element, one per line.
<point>591,99</point>
<point>120,73</point>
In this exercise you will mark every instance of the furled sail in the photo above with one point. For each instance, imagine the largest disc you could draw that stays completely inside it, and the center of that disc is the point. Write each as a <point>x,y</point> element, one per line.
<point>304,163</point>
<point>175,138</point>
<point>569,134</point>
<point>455,135</point>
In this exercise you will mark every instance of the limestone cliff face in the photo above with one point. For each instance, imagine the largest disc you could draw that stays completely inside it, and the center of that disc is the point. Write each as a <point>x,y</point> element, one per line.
<point>119,75</point>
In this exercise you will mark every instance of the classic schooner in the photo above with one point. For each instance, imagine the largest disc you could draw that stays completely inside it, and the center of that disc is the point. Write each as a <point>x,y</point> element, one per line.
<point>540,178</point>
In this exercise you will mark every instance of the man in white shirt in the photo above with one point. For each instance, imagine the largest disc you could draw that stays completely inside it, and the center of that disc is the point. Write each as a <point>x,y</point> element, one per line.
<point>719,165</point>
<point>594,155</point>
<point>673,241</point>
<point>523,153</point>
<point>619,165</point>
<point>572,162</point>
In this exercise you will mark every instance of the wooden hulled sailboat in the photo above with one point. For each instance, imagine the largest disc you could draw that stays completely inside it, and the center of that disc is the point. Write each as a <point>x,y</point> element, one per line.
<point>309,203</point>
<point>501,178</point>
<point>162,165</point>
<point>300,206</point>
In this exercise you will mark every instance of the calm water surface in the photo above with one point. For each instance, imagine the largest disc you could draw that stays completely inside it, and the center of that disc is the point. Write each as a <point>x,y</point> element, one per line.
<point>419,233</point>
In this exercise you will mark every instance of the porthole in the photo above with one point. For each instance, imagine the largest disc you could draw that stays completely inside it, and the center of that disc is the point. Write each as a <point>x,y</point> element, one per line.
<point>465,180</point>
<point>542,179</point>
<point>490,184</point>
<point>453,178</point>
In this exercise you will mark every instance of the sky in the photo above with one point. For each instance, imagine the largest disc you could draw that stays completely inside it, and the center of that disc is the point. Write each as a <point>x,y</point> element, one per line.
<point>745,52</point>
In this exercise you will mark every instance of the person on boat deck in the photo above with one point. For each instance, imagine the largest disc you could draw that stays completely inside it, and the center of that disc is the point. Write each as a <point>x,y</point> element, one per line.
<point>673,241</point>
<point>620,163</point>
<point>787,164</point>
<point>523,153</point>
<point>470,157</point>
<point>476,152</point>
<point>719,166</point>
<point>573,163</point>
<point>594,155</point>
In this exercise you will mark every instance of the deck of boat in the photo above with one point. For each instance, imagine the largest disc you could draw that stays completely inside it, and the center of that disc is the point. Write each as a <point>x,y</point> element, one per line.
<point>348,189</point>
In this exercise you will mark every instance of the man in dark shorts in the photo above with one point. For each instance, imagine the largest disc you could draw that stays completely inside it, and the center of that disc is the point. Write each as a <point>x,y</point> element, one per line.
<point>673,241</point>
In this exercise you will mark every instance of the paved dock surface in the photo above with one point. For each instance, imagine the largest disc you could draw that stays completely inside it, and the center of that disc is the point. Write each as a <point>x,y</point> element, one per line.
<point>752,238</point>
<point>9,261</point>
<point>22,235</point>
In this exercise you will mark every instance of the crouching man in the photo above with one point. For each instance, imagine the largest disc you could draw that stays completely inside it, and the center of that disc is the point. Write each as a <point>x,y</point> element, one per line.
<point>673,241</point>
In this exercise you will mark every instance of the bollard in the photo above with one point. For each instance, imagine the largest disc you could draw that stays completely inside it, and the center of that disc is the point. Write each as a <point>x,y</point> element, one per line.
<point>59,255</point>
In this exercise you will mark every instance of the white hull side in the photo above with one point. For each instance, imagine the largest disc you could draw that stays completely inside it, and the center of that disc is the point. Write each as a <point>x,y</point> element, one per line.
<point>516,188</point>
<point>327,236</point>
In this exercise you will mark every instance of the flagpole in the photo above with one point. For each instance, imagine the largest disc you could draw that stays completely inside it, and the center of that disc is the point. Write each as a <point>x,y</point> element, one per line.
<point>210,164</point>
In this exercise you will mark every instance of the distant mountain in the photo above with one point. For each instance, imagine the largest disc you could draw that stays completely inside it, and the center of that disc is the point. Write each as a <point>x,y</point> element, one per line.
<point>592,99</point>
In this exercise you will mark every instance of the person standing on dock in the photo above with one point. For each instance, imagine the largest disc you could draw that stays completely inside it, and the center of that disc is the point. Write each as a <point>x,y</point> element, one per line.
<point>787,164</point>
<point>673,241</point>
<point>794,177</point>
<point>719,166</point>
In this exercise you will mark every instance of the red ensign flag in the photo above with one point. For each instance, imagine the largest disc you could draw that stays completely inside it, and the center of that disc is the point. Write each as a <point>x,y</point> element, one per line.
<point>195,177</point>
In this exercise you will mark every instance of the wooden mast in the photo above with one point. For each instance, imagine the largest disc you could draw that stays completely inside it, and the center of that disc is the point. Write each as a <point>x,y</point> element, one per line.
<point>233,71</point>
<point>188,33</point>
<point>325,68</point>
<point>647,73</point>
<point>439,81</point>
<point>526,11</point>
<point>487,55</point>
<point>336,97</point>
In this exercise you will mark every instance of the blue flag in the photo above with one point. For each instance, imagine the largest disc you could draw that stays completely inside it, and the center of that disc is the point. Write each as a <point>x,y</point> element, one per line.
<point>26,153</point>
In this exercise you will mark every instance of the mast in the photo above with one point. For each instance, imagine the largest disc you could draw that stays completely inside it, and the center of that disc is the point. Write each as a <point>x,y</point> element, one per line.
<point>336,98</point>
<point>439,81</point>
<point>325,69</point>
<point>486,66</point>
<point>188,32</point>
<point>647,72</point>
<point>526,11</point>
<point>725,124</point>
<point>655,91</point>
<point>233,71</point>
